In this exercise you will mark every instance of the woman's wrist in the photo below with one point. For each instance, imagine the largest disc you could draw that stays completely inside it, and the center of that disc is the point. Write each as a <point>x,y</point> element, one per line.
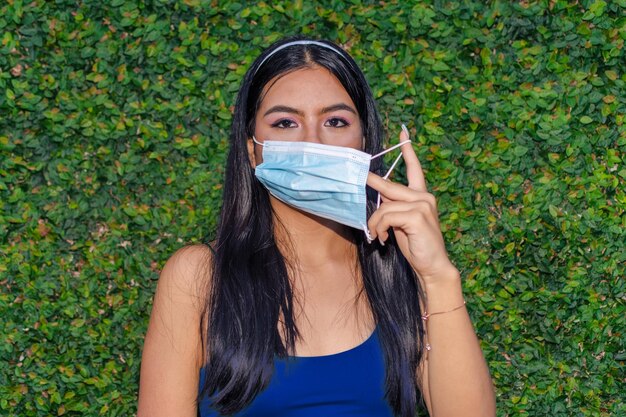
<point>444,291</point>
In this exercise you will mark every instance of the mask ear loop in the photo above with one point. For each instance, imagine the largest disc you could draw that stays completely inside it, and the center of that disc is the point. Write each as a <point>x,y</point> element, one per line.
<point>387,177</point>
<point>365,229</point>
<point>256,141</point>
<point>367,234</point>
<point>392,165</point>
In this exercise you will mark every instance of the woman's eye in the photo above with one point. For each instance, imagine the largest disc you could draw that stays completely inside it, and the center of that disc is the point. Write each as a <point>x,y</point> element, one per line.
<point>284,124</point>
<point>336,122</point>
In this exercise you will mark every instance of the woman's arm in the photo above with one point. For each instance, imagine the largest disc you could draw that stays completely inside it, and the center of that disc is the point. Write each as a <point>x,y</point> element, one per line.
<point>456,380</point>
<point>455,377</point>
<point>172,350</point>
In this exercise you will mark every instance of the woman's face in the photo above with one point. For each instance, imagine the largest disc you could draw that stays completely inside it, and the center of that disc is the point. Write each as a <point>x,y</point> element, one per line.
<point>311,105</point>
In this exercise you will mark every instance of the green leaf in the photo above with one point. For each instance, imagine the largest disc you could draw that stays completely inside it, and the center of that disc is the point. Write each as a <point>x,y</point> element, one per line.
<point>520,150</point>
<point>554,212</point>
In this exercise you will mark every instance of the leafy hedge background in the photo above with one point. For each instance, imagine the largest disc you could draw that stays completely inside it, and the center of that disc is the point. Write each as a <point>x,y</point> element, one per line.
<point>114,120</point>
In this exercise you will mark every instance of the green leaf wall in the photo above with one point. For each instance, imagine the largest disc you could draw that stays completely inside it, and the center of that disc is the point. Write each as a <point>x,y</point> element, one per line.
<point>114,119</point>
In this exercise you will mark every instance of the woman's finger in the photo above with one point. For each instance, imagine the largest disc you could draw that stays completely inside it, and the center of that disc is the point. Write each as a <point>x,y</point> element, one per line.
<point>409,221</point>
<point>381,219</point>
<point>414,172</point>
<point>389,189</point>
<point>379,227</point>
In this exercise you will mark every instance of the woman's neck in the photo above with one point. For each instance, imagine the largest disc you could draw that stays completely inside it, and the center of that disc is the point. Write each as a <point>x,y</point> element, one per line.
<point>310,240</point>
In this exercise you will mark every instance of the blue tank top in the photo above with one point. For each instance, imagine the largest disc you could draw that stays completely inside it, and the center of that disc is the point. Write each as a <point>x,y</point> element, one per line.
<point>349,383</point>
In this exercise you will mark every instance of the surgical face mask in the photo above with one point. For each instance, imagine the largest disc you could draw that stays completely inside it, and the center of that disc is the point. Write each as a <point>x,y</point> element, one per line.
<point>324,180</point>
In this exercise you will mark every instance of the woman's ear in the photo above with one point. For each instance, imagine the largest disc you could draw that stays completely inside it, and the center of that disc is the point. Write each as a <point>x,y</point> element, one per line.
<point>251,156</point>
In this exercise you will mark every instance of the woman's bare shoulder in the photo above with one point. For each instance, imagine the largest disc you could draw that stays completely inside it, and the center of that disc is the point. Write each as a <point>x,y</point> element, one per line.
<point>188,258</point>
<point>187,273</point>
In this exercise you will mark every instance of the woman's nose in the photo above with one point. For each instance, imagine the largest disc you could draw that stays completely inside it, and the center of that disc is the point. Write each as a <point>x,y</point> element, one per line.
<point>312,133</point>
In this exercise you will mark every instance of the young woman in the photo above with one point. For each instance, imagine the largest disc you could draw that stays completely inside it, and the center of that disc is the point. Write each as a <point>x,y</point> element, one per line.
<point>328,290</point>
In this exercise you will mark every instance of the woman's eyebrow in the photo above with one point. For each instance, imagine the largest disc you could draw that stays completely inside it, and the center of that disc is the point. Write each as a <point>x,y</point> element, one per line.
<point>283,109</point>
<point>329,109</point>
<point>339,106</point>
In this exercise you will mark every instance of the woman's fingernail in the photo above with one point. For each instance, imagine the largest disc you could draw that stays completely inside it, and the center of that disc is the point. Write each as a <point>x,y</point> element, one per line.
<point>405,130</point>
<point>381,242</point>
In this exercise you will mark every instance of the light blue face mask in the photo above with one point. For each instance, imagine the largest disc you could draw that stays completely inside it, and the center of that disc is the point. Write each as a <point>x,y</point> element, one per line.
<point>324,180</point>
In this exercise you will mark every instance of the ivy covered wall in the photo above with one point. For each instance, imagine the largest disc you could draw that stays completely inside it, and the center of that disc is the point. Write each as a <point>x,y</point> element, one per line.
<point>114,119</point>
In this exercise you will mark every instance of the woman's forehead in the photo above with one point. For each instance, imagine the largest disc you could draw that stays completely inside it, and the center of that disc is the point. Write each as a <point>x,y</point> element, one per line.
<point>305,87</point>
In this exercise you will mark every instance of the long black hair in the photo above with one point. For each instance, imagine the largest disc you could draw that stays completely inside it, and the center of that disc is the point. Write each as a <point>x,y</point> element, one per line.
<point>250,288</point>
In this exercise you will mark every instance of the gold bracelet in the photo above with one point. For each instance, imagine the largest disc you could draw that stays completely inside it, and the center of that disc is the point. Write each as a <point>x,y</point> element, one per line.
<point>427,315</point>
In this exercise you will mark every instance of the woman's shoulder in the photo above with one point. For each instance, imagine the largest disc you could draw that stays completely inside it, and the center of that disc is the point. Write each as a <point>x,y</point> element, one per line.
<point>187,272</point>
<point>190,257</point>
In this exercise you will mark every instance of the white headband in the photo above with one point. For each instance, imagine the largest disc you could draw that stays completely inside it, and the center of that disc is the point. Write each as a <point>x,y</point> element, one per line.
<point>302,42</point>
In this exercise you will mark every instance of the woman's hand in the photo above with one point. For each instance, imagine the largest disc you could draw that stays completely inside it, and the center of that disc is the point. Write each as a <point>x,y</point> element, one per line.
<point>411,211</point>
